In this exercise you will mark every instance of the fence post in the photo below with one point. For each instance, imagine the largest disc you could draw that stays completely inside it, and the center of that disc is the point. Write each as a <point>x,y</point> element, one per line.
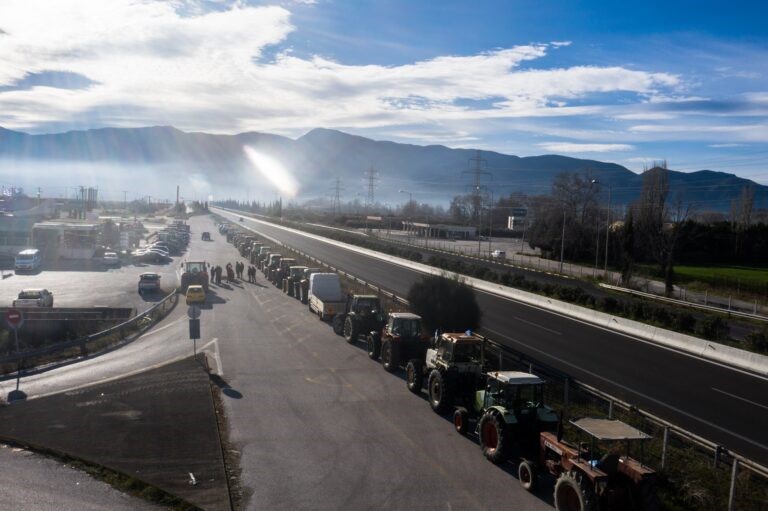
<point>501,359</point>
<point>610,409</point>
<point>664,441</point>
<point>732,491</point>
<point>717,455</point>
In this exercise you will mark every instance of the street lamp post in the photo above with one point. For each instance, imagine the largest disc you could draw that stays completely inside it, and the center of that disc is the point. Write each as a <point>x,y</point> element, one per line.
<point>607,231</point>
<point>597,230</point>
<point>490,224</point>
<point>562,242</point>
<point>410,200</point>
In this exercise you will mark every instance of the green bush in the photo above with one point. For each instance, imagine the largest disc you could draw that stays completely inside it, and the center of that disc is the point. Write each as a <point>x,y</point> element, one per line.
<point>757,341</point>
<point>713,328</point>
<point>685,322</point>
<point>609,304</point>
<point>444,303</point>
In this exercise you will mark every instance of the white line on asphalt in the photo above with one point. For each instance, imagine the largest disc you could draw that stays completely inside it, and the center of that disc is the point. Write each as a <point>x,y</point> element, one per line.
<point>739,397</point>
<point>649,398</point>
<point>216,355</point>
<point>538,326</point>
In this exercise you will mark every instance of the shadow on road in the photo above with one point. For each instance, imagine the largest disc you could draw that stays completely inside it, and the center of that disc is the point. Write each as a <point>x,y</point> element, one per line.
<point>225,387</point>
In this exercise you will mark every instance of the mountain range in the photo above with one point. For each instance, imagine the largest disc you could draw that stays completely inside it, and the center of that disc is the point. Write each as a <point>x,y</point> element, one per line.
<point>218,165</point>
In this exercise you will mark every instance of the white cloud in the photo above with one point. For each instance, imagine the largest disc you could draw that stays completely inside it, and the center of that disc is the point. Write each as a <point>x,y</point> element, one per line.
<point>151,63</point>
<point>725,145</point>
<point>571,147</point>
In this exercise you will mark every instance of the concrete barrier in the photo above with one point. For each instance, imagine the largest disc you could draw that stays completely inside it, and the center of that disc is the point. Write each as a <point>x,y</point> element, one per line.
<point>716,352</point>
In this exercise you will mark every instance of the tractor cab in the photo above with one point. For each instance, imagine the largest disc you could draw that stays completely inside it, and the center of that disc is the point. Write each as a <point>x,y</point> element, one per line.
<point>363,304</point>
<point>461,352</point>
<point>407,326</point>
<point>194,273</point>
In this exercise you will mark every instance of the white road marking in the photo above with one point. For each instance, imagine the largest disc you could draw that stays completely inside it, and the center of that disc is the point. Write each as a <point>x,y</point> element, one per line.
<point>632,391</point>
<point>739,397</point>
<point>538,326</point>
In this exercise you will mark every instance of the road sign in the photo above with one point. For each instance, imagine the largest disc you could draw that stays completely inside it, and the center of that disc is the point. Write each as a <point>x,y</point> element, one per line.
<point>193,311</point>
<point>14,318</point>
<point>194,328</point>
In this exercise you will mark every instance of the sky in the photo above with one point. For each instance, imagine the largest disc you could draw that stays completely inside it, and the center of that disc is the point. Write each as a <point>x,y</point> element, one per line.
<point>627,82</point>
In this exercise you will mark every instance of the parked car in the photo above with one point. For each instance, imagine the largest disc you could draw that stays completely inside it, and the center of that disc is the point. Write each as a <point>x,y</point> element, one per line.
<point>195,294</point>
<point>34,298</point>
<point>30,260</point>
<point>111,259</point>
<point>499,254</point>
<point>206,236</point>
<point>149,282</point>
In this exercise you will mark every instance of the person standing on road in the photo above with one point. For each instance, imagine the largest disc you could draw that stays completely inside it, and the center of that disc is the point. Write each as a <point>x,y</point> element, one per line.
<point>218,275</point>
<point>213,274</point>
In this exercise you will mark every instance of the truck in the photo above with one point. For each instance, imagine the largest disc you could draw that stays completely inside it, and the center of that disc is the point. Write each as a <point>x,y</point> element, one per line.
<point>28,260</point>
<point>34,298</point>
<point>453,366</point>
<point>325,297</point>
<point>400,339</point>
<point>361,316</point>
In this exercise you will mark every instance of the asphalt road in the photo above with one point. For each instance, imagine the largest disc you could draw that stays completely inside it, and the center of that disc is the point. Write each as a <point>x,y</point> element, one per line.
<point>30,482</point>
<point>717,402</point>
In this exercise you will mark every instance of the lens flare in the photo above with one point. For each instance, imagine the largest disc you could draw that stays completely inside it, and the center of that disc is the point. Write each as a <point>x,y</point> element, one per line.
<point>273,171</point>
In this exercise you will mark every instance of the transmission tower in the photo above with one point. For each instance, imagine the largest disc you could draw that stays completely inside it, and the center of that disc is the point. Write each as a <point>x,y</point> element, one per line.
<point>336,197</point>
<point>372,176</point>
<point>477,166</point>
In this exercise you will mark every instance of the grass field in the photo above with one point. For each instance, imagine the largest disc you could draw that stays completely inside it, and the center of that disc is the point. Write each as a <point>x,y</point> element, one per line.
<point>722,274</point>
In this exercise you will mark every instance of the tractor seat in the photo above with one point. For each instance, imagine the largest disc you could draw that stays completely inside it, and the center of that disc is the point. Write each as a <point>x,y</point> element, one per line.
<point>609,463</point>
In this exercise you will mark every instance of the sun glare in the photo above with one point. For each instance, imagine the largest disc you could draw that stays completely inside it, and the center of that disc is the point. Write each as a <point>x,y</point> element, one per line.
<point>274,171</point>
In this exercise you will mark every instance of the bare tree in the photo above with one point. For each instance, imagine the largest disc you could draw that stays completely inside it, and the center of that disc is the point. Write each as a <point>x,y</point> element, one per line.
<point>659,225</point>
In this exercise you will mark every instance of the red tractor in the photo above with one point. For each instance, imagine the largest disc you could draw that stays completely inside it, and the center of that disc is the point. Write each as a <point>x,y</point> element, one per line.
<point>598,474</point>
<point>194,273</point>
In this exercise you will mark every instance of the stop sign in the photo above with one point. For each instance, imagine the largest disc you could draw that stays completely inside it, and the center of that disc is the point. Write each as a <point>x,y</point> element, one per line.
<point>14,318</point>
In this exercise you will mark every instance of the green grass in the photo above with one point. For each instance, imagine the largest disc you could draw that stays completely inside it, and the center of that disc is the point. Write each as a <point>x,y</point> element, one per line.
<point>722,273</point>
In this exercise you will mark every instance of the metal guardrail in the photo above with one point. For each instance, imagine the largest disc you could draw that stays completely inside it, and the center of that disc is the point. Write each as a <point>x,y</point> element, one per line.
<point>719,453</point>
<point>686,303</point>
<point>145,317</point>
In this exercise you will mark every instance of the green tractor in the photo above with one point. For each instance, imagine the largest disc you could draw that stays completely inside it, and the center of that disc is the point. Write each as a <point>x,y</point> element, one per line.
<point>362,316</point>
<point>510,414</point>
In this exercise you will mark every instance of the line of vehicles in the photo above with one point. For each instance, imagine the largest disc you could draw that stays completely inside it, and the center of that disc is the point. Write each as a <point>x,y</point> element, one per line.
<point>505,410</point>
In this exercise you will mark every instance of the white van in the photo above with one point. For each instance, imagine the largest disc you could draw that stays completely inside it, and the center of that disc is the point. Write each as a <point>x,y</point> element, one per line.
<point>325,296</point>
<point>28,260</point>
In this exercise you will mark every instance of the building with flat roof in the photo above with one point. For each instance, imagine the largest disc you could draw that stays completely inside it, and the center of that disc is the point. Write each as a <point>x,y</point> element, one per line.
<point>445,231</point>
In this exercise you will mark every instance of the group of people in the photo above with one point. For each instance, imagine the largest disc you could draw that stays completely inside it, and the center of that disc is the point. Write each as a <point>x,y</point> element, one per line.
<point>231,272</point>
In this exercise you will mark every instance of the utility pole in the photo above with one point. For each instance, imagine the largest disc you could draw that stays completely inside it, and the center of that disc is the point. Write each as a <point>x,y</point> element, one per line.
<point>125,200</point>
<point>371,176</point>
<point>562,242</point>
<point>337,189</point>
<point>177,195</point>
<point>607,231</point>
<point>39,195</point>
<point>477,186</point>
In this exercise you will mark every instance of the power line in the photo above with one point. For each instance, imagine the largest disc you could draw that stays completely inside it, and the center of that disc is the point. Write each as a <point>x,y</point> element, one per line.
<point>372,176</point>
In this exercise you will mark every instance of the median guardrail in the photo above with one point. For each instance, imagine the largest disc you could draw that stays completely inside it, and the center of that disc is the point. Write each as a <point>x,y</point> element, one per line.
<point>93,343</point>
<point>671,443</point>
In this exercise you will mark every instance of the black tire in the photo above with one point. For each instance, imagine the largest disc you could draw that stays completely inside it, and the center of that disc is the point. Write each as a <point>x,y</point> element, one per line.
<point>374,347</point>
<point>351,330</point>
<point>526,474</point>
<point>572,493</point>
<point>390,359</point>
<point>338,324</point>
<point>440,395</point>
<point>495,438</point>
<point>413,376</point>
<point>461,421</point>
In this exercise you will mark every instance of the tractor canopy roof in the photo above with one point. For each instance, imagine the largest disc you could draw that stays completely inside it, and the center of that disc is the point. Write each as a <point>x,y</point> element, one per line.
<point>404,315</point>
<point>462,338</point>
<point>194,267</point>
<point>367,297</point>
<point>608,429</point>
<point>515,377</point>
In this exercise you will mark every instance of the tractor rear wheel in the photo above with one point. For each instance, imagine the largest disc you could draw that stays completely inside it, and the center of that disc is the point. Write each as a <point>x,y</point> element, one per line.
<point>439,392</point>
<point>494,438</point>
<point>338,324</point>
<point>413,376</point>
<point>461,421</point>
<point>572,493</point>
<point>390,359</point>
<point>374,347</point>
<point>526,474</point>
<point>351,330</point>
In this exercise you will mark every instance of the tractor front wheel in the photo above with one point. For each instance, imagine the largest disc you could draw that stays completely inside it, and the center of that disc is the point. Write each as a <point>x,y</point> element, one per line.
<point>494,438</point>
<point>526,474</point>
<point>389,356</point>
<point>461,421</point>
<point>572,493</point>
<point>413,375</point>
<point>350,330</point>
<point>338,324</point>
<point>374,347</point>
<point>439,393</point>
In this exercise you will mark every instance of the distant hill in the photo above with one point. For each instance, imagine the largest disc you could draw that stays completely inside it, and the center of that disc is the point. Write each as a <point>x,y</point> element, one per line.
<point>432,173</point>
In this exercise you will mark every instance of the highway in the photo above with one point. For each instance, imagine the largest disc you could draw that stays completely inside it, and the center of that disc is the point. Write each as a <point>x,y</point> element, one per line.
<point>720,403</point>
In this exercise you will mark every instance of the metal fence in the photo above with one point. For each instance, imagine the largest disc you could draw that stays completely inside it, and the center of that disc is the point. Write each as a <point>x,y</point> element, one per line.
<point>674,451</point>
<point>94,343</point>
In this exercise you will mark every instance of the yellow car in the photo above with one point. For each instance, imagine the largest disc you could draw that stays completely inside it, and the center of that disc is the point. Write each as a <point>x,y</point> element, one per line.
<point>195,294</point>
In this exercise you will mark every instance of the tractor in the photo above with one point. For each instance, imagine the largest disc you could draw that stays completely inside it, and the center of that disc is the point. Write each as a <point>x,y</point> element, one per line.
<point>292,277</point>
<point>454,366</point>
<point>254,255</point>
<point>301,288</point>
<point>510,414</point>
<point>362,316</point>
<point>598,474</point>
<point>281,271</point>
<point>194,273</point>
<point>400,339</point>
